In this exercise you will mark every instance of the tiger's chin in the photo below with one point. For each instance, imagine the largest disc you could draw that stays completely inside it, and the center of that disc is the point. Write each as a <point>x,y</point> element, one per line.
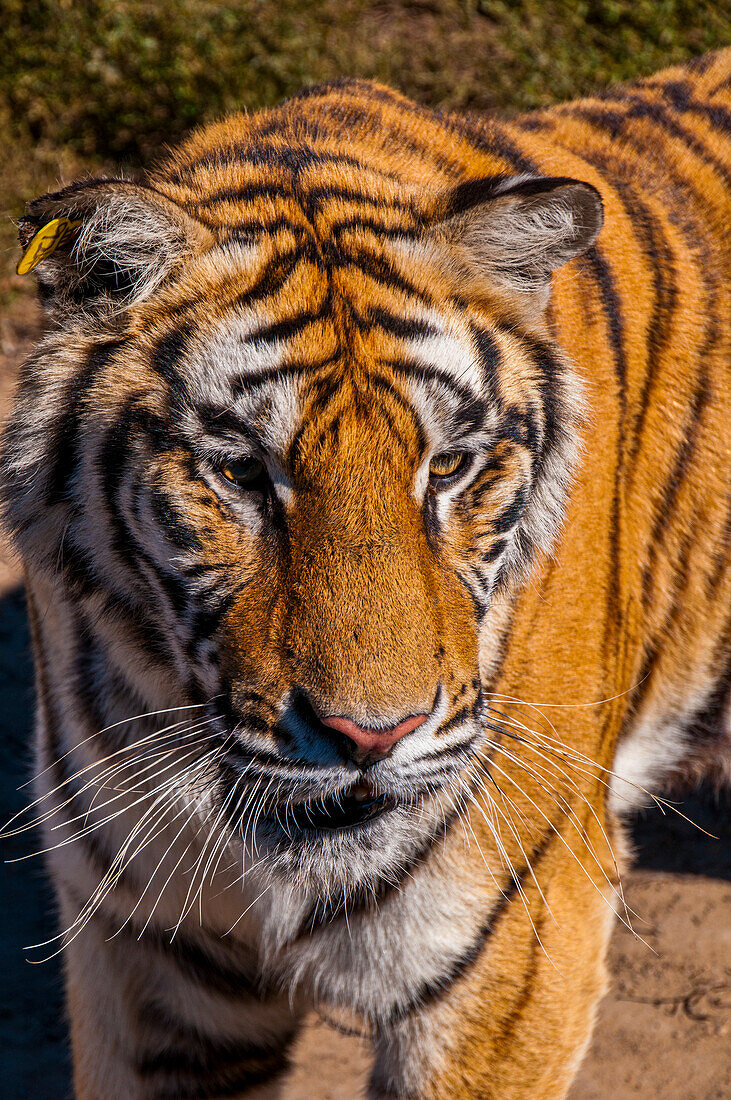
<point>357,807</point>
<point>357,839</point>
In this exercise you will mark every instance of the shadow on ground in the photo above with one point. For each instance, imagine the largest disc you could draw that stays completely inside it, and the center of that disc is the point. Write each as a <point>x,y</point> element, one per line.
<point>32,1026</point>
<point>677,845</point>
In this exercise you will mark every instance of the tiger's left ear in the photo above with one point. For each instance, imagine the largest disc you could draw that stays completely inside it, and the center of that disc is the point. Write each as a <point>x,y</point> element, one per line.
<point>517,231</point>
<point>103,244</point>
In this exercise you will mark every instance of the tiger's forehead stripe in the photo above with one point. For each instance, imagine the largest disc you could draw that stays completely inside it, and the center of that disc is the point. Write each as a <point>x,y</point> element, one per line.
<point>385,289</point>
<point>288,161</point>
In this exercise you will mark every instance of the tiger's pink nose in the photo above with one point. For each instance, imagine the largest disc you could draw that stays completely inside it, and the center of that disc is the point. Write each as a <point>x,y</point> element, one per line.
<point>373,742</point>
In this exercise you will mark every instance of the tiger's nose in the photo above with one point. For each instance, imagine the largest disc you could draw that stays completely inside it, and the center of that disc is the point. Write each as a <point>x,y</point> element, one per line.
<point>372,743</point>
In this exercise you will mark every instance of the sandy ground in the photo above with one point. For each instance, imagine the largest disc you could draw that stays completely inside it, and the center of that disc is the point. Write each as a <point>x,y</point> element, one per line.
<point>663,1030</point>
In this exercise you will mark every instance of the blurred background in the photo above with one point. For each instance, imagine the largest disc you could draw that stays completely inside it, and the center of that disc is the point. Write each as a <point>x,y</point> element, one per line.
<point>90,85</point>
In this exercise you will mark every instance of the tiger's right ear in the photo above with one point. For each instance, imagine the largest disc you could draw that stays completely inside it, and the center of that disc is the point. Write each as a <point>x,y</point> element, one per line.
<point>514,232</point>
<point>111,243</point>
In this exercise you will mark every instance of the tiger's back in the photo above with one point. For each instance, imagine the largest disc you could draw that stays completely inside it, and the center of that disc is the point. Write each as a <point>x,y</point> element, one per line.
<point>340,284</point>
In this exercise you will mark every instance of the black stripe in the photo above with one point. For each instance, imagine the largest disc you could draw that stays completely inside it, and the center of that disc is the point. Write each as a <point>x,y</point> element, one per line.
<point>284,329</point>
<point>64,447</point>
<point>321,392</point>
<point>276,274</point>
<point>362,223</point>
<point>457,719</point>
<point>490,358</point>
<point>217,1067</point>
<point>476,192</point>
<point>179,532</point>
<point>520,425</point>
<point>708,726</point>
<point>313,197</point>
<point>218,1085</point>
<point>252,229</point>
<point>702,63</point>
<point>381,385</point>
<point>295,158</point>
<point>653,647</point>
<point>244,383</point>
<point>435,989</point>
<point>242,755</point>
<point>382,270</point>
<point>680,96</point>
<point>494,552</point>
<point>492,136</point>
<point>405,328</point>
<point>269,280</point>
<point>635,106</point>
<point>252,192</point>
<point>347,119</point>
<point>115,460</point>
<point>224,422</point>
<point>432,525</point>
<point>602,274</point>
<point>59,765</point>
<point>471,406</point>
<point>676,478</point>
<point>167,354</point>
<point>479,603</point>
<point>722,86</point>
<point>89,659</point>
<point>658,252</point>
<point>510,514</point>
<point>78,568</point>
<point>82,580</point>
<point>207,620</point>
<point>237,978</point>
<point>160,433</point>
<point>552,372</point>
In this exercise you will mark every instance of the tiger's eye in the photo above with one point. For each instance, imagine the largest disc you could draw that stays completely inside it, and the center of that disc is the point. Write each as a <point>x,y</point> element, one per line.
<point>244,473</point>
<point>446,464</point>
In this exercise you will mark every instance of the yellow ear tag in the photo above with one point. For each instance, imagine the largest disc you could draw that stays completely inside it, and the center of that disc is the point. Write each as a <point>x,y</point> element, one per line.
<point>45,242</point>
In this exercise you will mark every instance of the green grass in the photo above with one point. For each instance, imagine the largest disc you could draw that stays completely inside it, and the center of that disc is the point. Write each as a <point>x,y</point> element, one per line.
<point>89,83</point>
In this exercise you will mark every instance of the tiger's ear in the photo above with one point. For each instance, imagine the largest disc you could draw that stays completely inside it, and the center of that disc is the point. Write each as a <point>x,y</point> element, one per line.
<point>109,243</point>
<point>517,231</point>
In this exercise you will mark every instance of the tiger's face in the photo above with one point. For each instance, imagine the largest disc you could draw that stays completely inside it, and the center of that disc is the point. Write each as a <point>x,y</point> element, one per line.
<point>308,464</point>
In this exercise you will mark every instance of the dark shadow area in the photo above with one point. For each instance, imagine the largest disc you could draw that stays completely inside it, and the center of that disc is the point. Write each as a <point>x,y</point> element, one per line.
<point>32,1024</point>
<point>668,841</point>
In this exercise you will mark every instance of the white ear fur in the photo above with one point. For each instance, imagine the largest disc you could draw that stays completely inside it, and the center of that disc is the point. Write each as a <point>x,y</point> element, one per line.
<point>130,240</point>
<point>518,231</point>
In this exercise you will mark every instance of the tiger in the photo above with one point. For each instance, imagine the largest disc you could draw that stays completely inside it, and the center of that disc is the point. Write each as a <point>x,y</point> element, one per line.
<point>370,483</point>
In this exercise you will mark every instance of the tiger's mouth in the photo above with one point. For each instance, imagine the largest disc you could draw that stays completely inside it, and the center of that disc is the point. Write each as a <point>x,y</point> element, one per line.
<point>358,806</point>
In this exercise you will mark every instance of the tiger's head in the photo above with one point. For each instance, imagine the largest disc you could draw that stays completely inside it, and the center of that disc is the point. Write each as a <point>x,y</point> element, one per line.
<point>295,433</point>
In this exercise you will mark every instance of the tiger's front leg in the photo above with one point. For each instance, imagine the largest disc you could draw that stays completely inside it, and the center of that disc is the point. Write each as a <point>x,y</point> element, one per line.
<point>513,1017</point>
<point>153,1019</point>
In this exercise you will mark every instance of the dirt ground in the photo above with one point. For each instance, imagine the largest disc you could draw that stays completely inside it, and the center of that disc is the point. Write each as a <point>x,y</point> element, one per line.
<point>663,1031</point>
